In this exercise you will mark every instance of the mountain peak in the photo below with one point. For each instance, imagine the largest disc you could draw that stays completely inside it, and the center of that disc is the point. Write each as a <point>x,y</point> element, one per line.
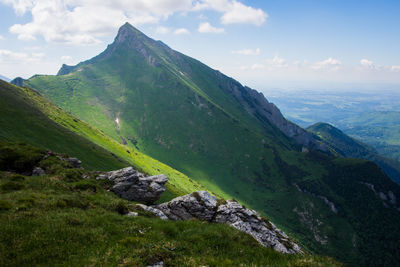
<point>127,33</point>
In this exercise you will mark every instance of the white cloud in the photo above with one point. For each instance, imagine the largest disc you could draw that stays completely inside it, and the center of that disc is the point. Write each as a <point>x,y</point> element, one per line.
<point>66,58</point>
<point>2,37</point>
<point>395,68</point>
<point>7,56</point>
<point>240,13</point>
<point>331,64</point>
<point>181,31</point>
<point>162,30</point>
<point>206,27</point>
<point>87,21</point>
<point>247,52</point>
<point>277,63</point>
<point>257,66</point>
<point>367,64</point>
<point>234,11</point>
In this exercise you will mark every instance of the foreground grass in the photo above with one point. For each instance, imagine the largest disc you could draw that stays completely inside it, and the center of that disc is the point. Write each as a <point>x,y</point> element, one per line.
<point>63,219</point>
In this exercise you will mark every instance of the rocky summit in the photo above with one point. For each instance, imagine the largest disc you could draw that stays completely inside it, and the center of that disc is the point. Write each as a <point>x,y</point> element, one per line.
<point>133,185</point>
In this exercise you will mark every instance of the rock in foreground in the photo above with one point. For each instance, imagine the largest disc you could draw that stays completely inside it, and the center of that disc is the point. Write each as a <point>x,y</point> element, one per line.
<point>203,206</point>
<point>134,186</point>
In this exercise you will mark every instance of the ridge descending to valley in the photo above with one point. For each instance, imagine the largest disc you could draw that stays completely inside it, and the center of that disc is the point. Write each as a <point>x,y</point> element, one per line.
<point>233,141</point>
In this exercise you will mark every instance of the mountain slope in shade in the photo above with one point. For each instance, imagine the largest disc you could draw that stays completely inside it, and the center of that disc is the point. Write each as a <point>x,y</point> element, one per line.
<point>349,147</point>
<point>230,138</point>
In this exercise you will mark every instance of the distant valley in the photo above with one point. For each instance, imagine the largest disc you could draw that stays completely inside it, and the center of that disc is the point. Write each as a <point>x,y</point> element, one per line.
<point>372,117</point>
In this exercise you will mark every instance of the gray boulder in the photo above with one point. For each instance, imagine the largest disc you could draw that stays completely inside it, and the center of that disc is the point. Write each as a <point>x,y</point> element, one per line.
<point>203,206</point>
<point>200,205</point>
<point>156,212</point>
<point>37,171</point>
<point>133,185</point>
<point>250,222</point>
<point>76,163</point>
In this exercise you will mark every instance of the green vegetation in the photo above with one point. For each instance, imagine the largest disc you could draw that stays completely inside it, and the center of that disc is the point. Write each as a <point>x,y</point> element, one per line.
<point>28,117</point>
<point>187,115</point>
<point>345,146</point>
<point>63,219</point>
<point>380,129</point>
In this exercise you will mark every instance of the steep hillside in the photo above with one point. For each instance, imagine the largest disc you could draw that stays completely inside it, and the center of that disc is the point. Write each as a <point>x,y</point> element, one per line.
<point>62,219</point>
<point>231,139</point>
<point>348,147</point>
<point>25,116</point>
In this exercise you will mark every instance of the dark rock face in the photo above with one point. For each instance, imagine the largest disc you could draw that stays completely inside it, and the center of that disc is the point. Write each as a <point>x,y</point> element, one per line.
<point>203,206</point>
<point>65,69</point>
<point>256,104</point>
<point>133,185</point>
<point>18,81</point>
<point>200,205</point>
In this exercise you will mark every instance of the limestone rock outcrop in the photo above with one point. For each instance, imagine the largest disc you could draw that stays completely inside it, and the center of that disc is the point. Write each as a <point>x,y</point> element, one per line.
<point>134,186</point>
<point>203,206</point>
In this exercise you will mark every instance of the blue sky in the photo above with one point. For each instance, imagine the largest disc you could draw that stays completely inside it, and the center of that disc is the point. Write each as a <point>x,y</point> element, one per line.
<point>264,44</point>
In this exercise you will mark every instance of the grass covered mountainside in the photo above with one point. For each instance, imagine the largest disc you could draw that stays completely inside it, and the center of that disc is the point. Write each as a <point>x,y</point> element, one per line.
<point>348,147</point>
<point>63,219</point>
<point>26,116</point>
<point>206,125</point>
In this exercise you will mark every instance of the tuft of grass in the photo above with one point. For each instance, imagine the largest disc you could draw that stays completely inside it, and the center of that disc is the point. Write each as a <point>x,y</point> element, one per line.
<point>11,186</point>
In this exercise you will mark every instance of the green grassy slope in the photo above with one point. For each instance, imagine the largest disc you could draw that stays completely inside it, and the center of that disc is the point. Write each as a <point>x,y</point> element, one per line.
<point>183,113</point>
<point>28,117</point>
<point>22,121</point>
<point>348,147</point>
<point>63,220</point>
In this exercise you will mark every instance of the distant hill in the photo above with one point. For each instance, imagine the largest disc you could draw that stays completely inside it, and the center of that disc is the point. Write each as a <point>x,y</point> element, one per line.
<point>349,147</point>
<point>4,78</point>
<point>233,141</point>
<point>380,129</point>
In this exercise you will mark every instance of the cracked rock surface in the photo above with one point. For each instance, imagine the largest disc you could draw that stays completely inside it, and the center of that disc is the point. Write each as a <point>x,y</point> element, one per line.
<point>134,186</point>
<point>203,206</point>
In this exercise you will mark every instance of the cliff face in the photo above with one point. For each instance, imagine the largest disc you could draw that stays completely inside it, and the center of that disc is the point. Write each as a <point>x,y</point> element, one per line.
<point>258,106</point>
<point>261,107</point>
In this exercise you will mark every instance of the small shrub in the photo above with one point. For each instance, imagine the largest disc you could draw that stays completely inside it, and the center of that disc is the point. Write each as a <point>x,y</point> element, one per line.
<point>27,201</point>
<point>85,186</point>
<point>122,208</point>
<point>72,175</point>
<point>169,230</point>
<point>5,205</point>
<point>76,202</point>
<point>17,178</point>
<point>19,157</point>
<point>12,186</point>
<point>74,221</point>
<point>61,203</point>
<point>53,165</point>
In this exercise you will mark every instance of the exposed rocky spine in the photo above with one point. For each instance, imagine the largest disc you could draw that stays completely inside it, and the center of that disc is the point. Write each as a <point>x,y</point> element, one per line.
<point>203,206</point>
<point>256,104</point>
<point>133,185</point>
